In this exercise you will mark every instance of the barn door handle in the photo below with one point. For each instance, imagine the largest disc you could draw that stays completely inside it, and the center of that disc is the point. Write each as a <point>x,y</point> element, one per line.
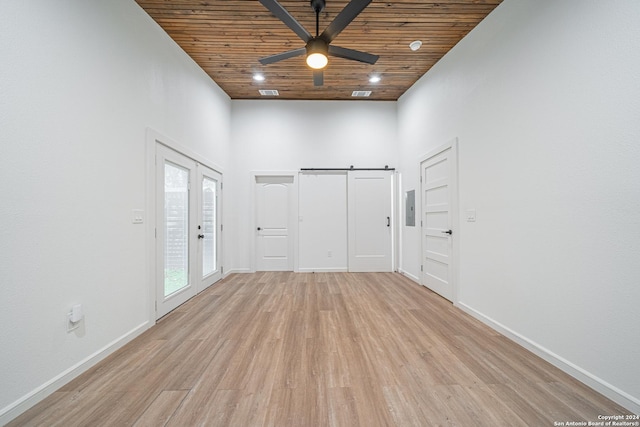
<point>449,232</point>
<point>200,236</point>
<point>388,222</point>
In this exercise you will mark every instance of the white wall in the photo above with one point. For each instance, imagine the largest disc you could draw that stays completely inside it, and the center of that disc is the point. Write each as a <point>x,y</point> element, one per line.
<point>545,99</point>
<point>79,84</point>
<point>289,135</point>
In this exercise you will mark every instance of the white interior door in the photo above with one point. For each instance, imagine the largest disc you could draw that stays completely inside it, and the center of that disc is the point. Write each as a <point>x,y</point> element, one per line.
<point>209,228</point>
<point>274,243</point>
<point>437,220</point>
<point>370,221</point>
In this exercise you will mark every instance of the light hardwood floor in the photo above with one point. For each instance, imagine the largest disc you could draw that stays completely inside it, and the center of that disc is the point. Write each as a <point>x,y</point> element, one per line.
<point>343,349</point>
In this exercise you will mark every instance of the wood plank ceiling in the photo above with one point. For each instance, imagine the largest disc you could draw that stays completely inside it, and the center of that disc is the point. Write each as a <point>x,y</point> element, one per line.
<point>227,37</point>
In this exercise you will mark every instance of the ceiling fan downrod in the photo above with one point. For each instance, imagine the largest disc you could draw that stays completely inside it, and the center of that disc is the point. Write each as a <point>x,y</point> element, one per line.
<point>317,6</point>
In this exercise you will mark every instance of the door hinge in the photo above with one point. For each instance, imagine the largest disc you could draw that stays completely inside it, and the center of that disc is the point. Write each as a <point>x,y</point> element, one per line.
<point>221,227</point>
<point>155,233</point>
<point>420,178</point>
<point>156,304</point>
<point>422,268</point>
<point>221,270</point>
<point>221,185</point>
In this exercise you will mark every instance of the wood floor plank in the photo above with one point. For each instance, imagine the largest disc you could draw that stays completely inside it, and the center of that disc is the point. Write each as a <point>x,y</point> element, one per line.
<point>318,349</point>
<point>297,407</point>
<point>162,408</point>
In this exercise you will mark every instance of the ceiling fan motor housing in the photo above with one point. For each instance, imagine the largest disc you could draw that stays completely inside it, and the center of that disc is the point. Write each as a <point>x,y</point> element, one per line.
<point>317,45</point>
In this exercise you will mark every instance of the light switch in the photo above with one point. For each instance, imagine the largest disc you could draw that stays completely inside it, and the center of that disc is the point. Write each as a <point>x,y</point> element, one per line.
<point>137,216</point>
<point>471,215</point>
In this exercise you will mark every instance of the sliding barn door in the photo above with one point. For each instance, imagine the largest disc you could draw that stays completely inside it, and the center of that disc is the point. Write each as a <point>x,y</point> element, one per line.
<point>370,221</point>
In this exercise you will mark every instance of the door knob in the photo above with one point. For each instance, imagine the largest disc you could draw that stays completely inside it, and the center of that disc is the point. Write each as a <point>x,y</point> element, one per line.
<point>200,236</point>
<point>259,228</point>
<point>449,232</point>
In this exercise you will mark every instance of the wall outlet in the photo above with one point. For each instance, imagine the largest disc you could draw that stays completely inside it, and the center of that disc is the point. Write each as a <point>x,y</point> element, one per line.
<point>74,317</point>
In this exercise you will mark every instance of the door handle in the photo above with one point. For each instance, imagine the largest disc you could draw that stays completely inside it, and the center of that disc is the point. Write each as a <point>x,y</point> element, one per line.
<point>388,222</point>
<point>200,236</point>
<point>259,228</point>
<point>449,232</point>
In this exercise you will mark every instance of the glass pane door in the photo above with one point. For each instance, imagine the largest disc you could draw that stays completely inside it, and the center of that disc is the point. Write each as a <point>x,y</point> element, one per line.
<point>209,202</point>
<point>176,223</point>
<point>209,227</point>
<point>176,210</point>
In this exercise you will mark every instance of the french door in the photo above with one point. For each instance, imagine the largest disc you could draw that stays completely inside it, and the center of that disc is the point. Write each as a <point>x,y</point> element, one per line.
<point>187,228</point>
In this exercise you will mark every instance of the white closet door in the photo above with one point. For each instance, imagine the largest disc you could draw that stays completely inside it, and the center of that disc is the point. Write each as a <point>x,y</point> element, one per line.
<point>370,221</point>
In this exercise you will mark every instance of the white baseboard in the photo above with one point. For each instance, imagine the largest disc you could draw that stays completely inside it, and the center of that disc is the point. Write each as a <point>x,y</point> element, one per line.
<point>32,398</point>
<point>237,270</point>
<point>324,270</point>
<point>598,384</point>
<point>410,276</point>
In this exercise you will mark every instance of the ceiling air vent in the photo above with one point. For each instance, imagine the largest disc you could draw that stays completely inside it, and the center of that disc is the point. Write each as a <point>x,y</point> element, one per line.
<point>269,92</point>
<point>361,93</point>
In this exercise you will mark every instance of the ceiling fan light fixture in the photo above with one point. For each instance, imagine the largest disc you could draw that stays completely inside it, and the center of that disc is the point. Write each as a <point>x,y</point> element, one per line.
<point>317,61</point>
<point>317,51</point>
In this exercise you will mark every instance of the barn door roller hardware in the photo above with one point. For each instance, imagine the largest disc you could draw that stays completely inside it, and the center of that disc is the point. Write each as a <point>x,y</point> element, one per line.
<point>351,168</point>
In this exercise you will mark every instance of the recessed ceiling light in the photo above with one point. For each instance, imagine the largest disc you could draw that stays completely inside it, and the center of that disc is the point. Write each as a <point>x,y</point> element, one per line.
<point>374,79</point>
<point>258,77</point>
<point>415,45</point>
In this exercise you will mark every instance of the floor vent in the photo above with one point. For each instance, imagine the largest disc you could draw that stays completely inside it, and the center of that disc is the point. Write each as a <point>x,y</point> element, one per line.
<point>361,93</point>
<point>269,92</point>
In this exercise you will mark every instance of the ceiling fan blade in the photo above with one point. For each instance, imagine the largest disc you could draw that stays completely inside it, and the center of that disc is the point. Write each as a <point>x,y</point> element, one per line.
<point>282,56</point>
<point>291,22</point>
<point>355,55</point>
<point>343,19</point>
<point>318,78</point>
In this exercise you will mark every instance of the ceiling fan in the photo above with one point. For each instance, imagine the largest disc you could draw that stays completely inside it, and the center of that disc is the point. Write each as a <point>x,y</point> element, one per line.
<point>319,47</point>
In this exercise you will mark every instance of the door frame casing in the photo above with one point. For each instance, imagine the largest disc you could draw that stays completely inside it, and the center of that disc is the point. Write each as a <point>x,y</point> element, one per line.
<point>454,212</point>
<point>153,138</point>
<point>293,235</point>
